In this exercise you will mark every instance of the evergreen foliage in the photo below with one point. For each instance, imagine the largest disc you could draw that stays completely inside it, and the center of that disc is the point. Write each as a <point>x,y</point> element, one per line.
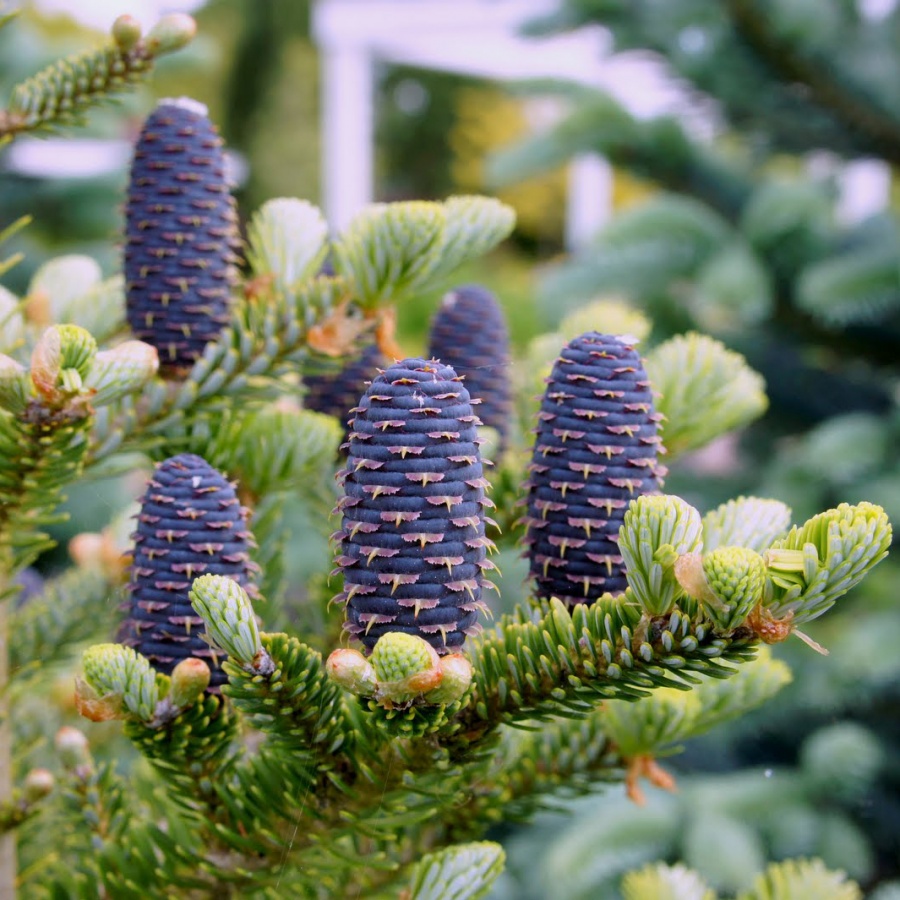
<point>272,770</point>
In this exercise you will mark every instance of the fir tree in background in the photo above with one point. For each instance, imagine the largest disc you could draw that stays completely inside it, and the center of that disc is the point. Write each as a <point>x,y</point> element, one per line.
<point>747,236</point>
<point>248,762</point>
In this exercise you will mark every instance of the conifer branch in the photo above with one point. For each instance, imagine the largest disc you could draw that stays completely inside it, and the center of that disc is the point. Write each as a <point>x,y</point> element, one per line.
<point>830,82</point>
<point>65,90</point>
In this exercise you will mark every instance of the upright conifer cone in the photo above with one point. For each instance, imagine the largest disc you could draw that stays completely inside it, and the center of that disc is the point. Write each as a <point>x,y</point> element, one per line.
<point>412,543</point>
<point>469,333</point>
<point>596,449</point>
<point>180,234</point>
<point>335,394</point>
<point>191,523</point>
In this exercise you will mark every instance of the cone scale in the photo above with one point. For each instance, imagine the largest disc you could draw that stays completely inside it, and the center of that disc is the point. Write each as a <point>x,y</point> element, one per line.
<point>595,450</point>
<point>191,523</point>
<point>180,234</point>
<point>469,333</point>
<point>412,546</point>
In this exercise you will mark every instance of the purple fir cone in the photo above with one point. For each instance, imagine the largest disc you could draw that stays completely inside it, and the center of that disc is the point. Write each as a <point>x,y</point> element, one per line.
<point>469,333</point>
<point>336,393</point>
<point>180,234</point>
<point>191,523</point>
<point>412,543</point>
<point>596,449</point>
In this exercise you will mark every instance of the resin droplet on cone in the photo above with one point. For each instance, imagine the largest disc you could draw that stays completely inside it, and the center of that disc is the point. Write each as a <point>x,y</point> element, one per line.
<point>469,333</point>
<point>191,523</point>
<point>180,234</point>
<point>595,450</point>
<point>412,543</point>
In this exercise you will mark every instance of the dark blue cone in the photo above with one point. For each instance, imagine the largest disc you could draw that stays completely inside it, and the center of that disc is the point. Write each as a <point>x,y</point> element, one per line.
<point>412,543</point>
<point>191,523</point>
<point>469,333</point>
<point>596,450</point>
<point>180,235</point>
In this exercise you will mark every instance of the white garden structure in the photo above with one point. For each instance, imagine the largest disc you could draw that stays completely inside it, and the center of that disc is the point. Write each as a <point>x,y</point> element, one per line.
<point>483,38</point>
<point>473,37</point>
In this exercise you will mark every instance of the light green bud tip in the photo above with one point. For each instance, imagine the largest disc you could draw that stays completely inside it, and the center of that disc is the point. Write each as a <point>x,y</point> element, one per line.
<point>38,783</point>
<point>78,348</point>
<point>656,530</point>
<point>405,666</point>
<point>190,678</point>
<point>736,576</point>
<point>118,671</point>
<point>352,671</point>
<point>456,676</point>
<point>171,32</point>
<point>228,614</point>
<point>72,747</point>
<point>126,32</point>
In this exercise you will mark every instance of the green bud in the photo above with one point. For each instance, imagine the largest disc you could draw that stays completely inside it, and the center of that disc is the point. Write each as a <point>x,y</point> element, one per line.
<point>113,670</point>
<point>190,678</point>
<point>456,676</point>
<point>352,671</point>
<point>405,666</point>
<point>38,784</point>
<point>736,577</point>
<point>126,32</point>
<point>14,387</point>
<point>72,747</point>
<point>170,33</point>
<point>60,361</point>
<point>656,530</point>
<point>120,371</point>
<point>230,621</point>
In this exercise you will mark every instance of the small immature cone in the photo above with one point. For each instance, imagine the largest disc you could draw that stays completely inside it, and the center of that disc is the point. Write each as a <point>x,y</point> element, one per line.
<point>191,523</point>
<point>412,543</point>
<point>736,577</point>
<point>180,234</point>
<point>337,393</point>
<point>405,666</point>
<point>595,451</point>
<point>469,333</point>
<point>190,678</point>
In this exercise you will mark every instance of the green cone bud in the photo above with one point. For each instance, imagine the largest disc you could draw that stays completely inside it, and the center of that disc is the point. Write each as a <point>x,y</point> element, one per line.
<point>190,678</point>
<point>456,676</point>
<point>352,671</point>
<point>113,670</point>
<point>72,747</point>
<point>405,666</point>
<point>736,577</point>
<point>657,529</point>
<point>61,360</point>
<point>38,784</point>
<point>230,621</point>
<point>126,32</point>
<point>170,33</point>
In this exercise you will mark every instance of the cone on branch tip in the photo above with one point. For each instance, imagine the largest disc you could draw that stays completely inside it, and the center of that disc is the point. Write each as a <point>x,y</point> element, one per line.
<point>191,523</point>
<point>412,546</point>
<point>595,450</point>
<point>469,333</point>
<point>181,235</point>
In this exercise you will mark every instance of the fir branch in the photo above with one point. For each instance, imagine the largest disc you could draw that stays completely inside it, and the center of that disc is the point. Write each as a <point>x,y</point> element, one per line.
<point>71,608</point>
<point>268,336</point>
<point>65,90</point>
<point>830,82</point>
<point>559,663</point>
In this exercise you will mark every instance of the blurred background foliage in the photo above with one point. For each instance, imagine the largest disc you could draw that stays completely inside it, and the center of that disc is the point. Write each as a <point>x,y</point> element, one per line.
<point>740,238</point>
